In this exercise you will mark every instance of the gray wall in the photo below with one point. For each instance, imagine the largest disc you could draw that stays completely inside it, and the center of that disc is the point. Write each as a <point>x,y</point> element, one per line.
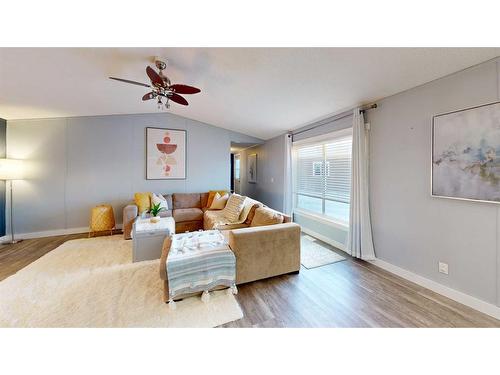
<point>412,229</point>
<point>76,163</point>
<point>3,129</point>
<point>270,173</point>
<point>325,126</point>
<point>336,235</point>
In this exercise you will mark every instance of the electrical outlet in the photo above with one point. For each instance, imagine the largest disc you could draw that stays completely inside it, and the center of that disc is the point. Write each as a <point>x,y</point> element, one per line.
<point>443,268</point>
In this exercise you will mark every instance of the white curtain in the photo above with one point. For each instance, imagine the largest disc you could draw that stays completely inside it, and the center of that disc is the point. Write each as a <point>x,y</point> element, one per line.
<point>288,181</point>
<point>359,239</point>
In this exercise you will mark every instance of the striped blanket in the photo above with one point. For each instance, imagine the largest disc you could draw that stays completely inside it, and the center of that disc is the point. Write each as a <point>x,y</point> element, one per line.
<point>198,262</point>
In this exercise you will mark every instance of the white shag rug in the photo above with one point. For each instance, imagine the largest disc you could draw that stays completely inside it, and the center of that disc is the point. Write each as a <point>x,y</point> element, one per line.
<point>313,254</point>
<point>93,283</point>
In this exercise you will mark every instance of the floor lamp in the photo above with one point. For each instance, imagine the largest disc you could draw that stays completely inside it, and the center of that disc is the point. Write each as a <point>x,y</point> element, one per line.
<point>11,169</point>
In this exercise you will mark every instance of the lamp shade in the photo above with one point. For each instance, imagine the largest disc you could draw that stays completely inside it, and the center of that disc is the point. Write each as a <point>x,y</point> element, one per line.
<point>11,169</point>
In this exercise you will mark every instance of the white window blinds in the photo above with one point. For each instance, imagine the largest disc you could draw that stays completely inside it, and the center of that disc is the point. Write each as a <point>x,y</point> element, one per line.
<point>338,176</point>
<point>323,177</point>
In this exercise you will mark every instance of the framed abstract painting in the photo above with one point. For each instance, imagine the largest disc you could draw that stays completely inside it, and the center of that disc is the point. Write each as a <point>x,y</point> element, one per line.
<point>252,168</point>
<point>165,154</point>
<point>466,154</point>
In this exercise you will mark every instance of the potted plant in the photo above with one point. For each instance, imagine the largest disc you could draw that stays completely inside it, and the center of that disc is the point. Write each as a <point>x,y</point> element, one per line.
<point>155,211</point>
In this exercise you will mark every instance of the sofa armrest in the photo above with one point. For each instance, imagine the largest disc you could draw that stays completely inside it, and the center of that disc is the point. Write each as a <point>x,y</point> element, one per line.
<point>265,251</point>
<point>164,255</point>
<point>130,212</point>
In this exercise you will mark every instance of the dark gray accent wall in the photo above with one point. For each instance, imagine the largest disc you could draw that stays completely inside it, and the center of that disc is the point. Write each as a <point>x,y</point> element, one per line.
<point>3,129</point>
<point>76,163</point>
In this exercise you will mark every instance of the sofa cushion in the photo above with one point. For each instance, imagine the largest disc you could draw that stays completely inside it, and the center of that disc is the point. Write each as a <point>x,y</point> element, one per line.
<point>165,213</point>
<point>227,227</point>
<point>251,214</point>
<point>186,200</point>
<point>168,198</point>
<point>266,216</point>
<point>212,219</point>
<point>188,214</point>
<point>204,200</point>
<point>188,226</point>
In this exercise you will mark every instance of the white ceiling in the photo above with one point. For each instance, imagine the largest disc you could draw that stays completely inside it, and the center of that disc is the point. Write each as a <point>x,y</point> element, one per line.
<point>257,91</point>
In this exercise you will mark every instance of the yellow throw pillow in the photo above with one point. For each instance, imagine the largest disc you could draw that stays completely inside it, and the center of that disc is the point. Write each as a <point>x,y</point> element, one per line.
<point>219,202</point>
<point>266,216</point>
<point>211,195</point>
<point>142,201</point>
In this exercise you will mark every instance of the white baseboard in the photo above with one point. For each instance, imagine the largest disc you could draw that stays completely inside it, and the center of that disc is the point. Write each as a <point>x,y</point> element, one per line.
<point>465,299</point>
<point>50,233</point>
<point>323,238</point>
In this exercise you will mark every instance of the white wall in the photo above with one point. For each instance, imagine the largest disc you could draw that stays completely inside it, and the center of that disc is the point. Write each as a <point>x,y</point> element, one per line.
<point>76,163</point>
<point>411,229</point>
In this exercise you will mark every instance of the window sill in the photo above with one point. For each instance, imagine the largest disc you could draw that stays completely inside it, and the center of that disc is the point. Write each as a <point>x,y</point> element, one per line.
<point>332,222</point>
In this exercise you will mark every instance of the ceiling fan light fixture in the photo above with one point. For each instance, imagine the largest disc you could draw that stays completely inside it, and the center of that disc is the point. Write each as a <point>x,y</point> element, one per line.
<point>161,86</point>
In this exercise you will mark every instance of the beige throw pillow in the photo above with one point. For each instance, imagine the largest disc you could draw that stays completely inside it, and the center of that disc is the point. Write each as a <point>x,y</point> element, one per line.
<point>234,207</point>
<point>266,216</point>
<point>219,202</point>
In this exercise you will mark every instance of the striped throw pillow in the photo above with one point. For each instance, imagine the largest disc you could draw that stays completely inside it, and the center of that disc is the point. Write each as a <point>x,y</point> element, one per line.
<point>233,208</point>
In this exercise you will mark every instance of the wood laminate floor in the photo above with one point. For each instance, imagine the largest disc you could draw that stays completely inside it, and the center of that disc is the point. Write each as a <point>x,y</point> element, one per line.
<point>351,293</point>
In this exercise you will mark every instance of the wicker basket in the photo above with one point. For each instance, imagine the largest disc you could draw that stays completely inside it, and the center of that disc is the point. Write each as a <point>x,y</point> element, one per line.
<point>102,219</point>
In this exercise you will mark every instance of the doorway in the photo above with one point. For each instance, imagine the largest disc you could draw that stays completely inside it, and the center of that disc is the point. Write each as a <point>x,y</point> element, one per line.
<point>236,174</point>
<point>237,167</point>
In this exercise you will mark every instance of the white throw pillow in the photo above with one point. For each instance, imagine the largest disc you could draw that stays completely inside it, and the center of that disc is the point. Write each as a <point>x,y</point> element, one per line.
<point>219,202</point>
<point>158,198</point>
<point>234,207</point>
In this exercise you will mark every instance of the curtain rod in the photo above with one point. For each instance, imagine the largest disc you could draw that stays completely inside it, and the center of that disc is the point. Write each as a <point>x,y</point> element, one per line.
<point>336,118</point>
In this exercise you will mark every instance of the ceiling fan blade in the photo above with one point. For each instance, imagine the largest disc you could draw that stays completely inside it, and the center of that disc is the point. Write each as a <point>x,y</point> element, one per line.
<point>184,89</point>
<point>155,78</point>
<point>128,81</point>
<point>177,98</point>
<point>148,96</point>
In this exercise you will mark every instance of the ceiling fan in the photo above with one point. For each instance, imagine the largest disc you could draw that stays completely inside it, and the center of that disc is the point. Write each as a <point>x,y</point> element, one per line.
<point>161,87</point>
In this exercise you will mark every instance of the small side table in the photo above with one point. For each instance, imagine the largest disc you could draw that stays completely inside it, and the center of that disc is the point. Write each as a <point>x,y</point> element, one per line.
<point>148,237</point>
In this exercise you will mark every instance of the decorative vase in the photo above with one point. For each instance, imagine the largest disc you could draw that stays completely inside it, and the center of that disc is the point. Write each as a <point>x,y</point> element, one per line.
<point>154,219</point>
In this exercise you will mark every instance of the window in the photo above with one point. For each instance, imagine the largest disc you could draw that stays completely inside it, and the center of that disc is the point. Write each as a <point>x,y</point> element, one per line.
<point>237,167</point>
<point>323,177</point>
<point>318,166</point>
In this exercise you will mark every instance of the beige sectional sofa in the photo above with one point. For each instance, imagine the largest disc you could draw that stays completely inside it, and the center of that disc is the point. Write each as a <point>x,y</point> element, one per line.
<point>261,251</point>
<point>186,208</point>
